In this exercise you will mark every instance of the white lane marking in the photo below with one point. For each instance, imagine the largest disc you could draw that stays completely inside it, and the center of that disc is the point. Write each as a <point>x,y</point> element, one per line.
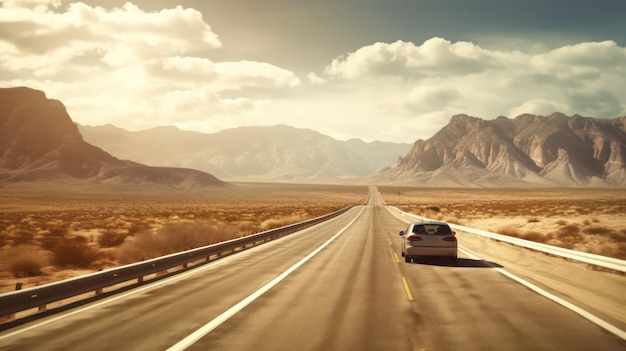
<point>209,327</point>
<point>149,286</point>
<point>596,320</point>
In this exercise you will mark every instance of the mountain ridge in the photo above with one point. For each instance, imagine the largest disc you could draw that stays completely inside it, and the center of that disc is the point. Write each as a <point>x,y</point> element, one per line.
<point>553,150</point>
<point>40,142</point>
<point>250,153</point>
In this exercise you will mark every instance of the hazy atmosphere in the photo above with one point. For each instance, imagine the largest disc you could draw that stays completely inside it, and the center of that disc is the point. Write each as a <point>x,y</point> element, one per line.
<point>375,70</point>
<point>319,175</point>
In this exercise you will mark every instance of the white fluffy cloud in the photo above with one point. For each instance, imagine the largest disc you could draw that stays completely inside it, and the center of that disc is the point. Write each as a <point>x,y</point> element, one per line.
<point>138,69</point>
<point>223,75</point>
<point>126,66</point>
<point>117,37</point>
<point>435,80</point>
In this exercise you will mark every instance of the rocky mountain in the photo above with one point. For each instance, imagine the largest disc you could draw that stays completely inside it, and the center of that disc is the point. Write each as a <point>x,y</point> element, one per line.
<point>40,142</point>
<point>554,150</point>
<point>276,153</point>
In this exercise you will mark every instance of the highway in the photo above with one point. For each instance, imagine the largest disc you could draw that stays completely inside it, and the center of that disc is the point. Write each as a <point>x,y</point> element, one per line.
<point>338,285</point>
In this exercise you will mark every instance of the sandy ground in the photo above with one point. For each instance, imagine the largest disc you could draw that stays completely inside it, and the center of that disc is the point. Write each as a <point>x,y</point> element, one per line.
<point>545,215</point>
<point>29,216</point>
<point>589,220</point>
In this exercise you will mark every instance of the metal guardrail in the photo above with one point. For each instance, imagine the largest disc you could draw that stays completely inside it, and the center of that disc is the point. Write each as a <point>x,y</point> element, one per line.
<point>596,260</point>
<point>40,296</point>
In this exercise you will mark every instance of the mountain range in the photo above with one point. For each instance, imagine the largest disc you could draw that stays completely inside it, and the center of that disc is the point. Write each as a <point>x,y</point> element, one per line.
<point>554,150</point>
<point>273,154</point>
<point>39,141</point>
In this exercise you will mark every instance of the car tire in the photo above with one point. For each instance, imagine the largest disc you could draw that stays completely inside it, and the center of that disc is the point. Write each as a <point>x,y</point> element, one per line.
<point>407,259</point>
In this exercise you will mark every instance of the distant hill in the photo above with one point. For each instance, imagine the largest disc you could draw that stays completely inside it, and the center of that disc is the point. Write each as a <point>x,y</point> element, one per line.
<point>276,153</point>
<point>40,142</point>
<point>554,150</point>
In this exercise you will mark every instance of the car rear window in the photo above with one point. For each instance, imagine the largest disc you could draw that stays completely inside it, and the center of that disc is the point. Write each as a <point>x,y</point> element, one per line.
<point>432,229</point>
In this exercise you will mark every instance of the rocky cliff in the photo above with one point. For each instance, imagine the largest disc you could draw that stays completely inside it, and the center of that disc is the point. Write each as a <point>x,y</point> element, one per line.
<point>554,150</point>
<point>39,141</point>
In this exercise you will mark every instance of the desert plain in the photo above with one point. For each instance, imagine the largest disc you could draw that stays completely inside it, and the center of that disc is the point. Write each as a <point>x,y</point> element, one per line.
<point>49,233</point>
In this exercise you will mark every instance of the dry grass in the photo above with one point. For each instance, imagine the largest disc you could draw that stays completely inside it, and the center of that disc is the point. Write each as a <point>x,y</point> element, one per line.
<point>54,232</point>
<point>589,220</point>
<point>172,238</point>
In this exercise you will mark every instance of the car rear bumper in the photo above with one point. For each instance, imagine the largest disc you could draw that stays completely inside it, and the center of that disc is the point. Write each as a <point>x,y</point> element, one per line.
<point>431,251</point>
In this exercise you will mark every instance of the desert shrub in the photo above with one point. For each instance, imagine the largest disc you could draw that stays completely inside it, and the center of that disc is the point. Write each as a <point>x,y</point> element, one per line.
<point>510,231</point>
<point>621,251</point>
<point>248,226</point>
<point>569,235</point>
<point>51,238</point>
<point>533,220</point>
<point>172,238</point>
<point>110,238</point>
<point>570,229</point>
<point>24,260</point>
<point>278,222</point>
<point>136,228</point>
<point>22,237</point>
<point>433,208</point>
<point>597,230</point>
<point>75,252</point>
<point>561,222</point>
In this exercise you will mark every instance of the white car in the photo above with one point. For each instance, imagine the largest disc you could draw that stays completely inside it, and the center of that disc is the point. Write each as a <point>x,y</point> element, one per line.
<point>428,238</point>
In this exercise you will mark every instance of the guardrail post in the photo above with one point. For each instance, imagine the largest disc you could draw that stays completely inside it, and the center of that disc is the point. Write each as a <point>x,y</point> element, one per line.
<point>18,286</point>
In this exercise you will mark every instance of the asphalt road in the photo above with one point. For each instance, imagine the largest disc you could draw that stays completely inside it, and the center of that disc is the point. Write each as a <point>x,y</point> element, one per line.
<point>336,286</point>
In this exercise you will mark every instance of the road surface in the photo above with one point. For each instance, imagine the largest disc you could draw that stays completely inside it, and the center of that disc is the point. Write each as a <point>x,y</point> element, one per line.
<point>336,286</point>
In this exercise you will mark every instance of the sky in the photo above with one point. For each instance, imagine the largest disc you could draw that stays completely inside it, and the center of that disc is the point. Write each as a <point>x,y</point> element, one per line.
<point>388,70</point>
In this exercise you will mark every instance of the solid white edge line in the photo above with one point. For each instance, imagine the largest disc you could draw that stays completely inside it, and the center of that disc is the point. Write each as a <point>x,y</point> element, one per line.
<point>596,320</point>
<point>207,328</point>
<point>150,286</point>
<point>590,317</point>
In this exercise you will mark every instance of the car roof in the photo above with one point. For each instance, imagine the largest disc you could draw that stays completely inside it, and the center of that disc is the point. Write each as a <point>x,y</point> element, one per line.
<point>430,221</point>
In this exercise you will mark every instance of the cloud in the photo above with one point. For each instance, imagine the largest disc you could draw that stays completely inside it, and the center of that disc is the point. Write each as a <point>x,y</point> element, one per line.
<point>430,82</point>
<point>120,36</point>
<point>435,57</point>
<point>223,75</point>
<point>127,66</point>
<point>137,69</point>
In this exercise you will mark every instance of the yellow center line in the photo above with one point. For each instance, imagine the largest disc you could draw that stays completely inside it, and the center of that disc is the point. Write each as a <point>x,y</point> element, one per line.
<point>395,256</point>
<point>409,293</point>
<point>389,240</point>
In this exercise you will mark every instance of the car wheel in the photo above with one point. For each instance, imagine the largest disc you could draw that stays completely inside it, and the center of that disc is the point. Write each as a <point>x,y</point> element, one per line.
<point>407,259</point>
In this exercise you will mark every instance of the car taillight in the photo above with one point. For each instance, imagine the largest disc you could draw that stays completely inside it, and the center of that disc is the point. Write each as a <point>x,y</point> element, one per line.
<point>414,238</point>
<point>449,238</point>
